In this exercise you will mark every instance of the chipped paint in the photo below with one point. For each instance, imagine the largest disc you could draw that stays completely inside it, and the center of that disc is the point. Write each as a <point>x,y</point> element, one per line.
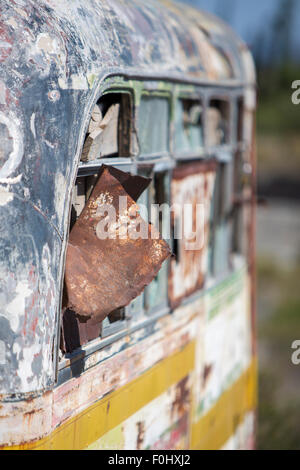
<point>155,427</point>
<point>2,352</point>
<point>106,370</point>
<point>173,336</point>
<point>191,184</point>
<point>59,201</point>
<point>10,159</point>
<point>227,325</point>
<point>55,61</point>
<point>5,196</point>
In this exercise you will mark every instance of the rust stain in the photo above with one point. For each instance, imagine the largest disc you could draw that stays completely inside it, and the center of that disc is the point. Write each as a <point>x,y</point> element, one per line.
<point>103,275</point>
<point>141,435</point>
<point>206,373</point>
<point>182,397</point>
<point>191,184</point>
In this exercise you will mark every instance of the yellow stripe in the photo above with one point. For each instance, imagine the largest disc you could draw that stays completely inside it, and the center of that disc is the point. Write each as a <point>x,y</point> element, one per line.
<point>91,424</point>
<point>211,432</point>
<point>214,429</point>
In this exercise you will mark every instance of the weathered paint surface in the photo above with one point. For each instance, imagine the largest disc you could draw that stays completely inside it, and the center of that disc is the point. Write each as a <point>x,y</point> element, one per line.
<point>175,373</point>
<point>106,373</point>
<point>224,355</point>
<point>191,184</point>
<point>161,424</point>
<point>54,56</point>
<point>243,439</point>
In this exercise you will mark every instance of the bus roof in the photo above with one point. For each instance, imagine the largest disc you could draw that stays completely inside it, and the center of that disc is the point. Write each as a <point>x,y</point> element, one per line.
<point>76,42</point>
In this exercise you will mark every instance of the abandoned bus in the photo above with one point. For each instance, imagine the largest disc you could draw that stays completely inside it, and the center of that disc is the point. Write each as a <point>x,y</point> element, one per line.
<point>119,341</point>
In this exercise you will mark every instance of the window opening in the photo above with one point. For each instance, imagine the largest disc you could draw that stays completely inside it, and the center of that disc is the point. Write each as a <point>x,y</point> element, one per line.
<point>109,129</point>
<point>188,126</point>
<point>153,125</point>
<point>218,123</point>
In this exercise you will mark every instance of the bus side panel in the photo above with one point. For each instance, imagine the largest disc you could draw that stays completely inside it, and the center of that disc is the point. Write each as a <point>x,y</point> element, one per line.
<point>191,384</point>
<point>225,371</point>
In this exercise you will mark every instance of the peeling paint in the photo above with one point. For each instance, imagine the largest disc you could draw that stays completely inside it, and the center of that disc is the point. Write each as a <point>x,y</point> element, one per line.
<point>10,159</point>
<point>32,125</point>
<point>191,184</point>
<point>2,352</point>
<point>54,59</point>
<point>5,197</point>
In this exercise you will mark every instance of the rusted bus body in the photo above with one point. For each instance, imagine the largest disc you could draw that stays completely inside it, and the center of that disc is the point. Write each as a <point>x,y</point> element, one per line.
<point>176,368</point>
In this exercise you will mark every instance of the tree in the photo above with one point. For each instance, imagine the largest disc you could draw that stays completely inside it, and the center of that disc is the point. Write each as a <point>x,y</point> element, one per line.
<point>282,27</point>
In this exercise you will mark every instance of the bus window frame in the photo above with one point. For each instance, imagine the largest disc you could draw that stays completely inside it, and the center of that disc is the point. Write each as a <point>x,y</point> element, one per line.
<point>80,358</point>
<point>215,95</point>
<point>199,97</point>
<point>155,93</point>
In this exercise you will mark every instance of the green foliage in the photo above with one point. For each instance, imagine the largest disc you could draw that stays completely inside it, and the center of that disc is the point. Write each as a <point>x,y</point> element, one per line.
<point>276,113</point>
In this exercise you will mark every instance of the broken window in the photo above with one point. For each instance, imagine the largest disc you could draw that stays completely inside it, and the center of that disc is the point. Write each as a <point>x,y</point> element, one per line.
<point>109,259</point>
<point>113,323</point>
<point>188,127</point>
<point>136,309</point>
<point>156,294</point>
<point>153,125</point>
<point>238,238</point>
<point>192,189</point>
<point>240,119</point>
<point>223,218</point>
<point>109,130</point>
<point>242,187</point>
<point>218,123</point>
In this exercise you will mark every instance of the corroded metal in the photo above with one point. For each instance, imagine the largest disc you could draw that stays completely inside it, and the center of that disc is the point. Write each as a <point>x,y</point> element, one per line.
<point>192,184</point>
<point>106,271</point>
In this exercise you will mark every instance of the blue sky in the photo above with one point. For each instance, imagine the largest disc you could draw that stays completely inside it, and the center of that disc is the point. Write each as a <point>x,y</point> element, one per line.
<point>250,17</point>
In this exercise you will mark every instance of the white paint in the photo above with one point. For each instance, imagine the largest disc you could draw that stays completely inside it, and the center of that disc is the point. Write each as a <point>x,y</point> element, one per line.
<point>2,92</point>
<point>60,190</point>
<point>15,157</point>
<point>47,44</point>
<point>79,82</point>
<point>12,22</point>
<point>47,49</point>
<point>49,144</point>
<point>32,125</point>
<point>249,66</point>
<point>5,197</point>
<point>17,350</point>
<point>16,308</point>
<point>22,12</point>
<point>15,180</point>
<point>2,352</point>
<point>25,370</point>
<point>225,342</point>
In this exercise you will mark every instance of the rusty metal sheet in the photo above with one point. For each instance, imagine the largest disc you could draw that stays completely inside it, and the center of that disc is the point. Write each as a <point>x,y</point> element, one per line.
<point>77,331</point>
<point>103,275</point>
<point>192,184</point>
